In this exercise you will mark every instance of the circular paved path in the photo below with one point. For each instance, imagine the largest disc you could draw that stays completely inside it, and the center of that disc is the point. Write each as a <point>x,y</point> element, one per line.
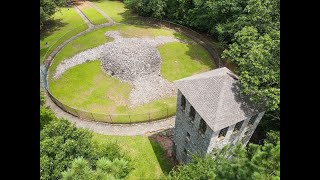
<point>147,128</point>
<point>114,129</point>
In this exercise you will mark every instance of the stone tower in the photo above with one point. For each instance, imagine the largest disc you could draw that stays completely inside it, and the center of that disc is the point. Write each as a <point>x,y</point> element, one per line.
<point>211,113</point>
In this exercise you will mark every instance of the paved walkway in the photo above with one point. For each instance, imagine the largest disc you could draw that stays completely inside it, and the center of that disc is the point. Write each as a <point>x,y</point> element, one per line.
<point>101,12</point>
<point>99,127</point>
<point>84,17</point>
<point>114,129</point>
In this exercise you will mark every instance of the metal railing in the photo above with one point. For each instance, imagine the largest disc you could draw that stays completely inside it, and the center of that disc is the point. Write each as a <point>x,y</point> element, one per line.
<point>107,117</point>
<point>122,118</point>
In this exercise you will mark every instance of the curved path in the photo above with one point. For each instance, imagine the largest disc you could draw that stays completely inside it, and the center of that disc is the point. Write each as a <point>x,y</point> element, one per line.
<point>147,128</point>
<point>101,12</point>
<point>114,129</point>
<point>84,17</point>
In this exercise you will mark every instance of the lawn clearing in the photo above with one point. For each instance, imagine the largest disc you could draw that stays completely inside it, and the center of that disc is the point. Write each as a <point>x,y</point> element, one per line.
<point>92,14</point>
<point>64,20</point>
<point>183,60</point>
<point>86,41</point>
<point>146,156</point>
<point>88,88</point>
<point>115,10</point>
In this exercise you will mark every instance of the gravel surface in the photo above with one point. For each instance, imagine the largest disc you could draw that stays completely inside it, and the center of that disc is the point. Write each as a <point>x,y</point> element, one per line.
<point>149,88</point>
<point>133,60</point>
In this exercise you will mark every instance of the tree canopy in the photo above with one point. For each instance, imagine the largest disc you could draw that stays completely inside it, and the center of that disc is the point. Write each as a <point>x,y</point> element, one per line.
<point>61,143</point>
<point>235,162</point>
<point>258,64</point>
<point>105,169</point>
<point>48,8</point>
<point>249,30</point>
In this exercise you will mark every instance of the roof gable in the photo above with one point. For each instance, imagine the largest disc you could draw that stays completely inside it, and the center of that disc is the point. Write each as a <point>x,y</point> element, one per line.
<point>215,95</point>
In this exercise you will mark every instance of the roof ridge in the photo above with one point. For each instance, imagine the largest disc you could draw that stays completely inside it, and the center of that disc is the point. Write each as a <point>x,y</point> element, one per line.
<point>219,104</point>
<point>191,78</point>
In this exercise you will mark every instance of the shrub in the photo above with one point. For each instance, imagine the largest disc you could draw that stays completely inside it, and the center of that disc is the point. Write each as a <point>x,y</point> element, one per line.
<point>46,116</point>
<point>60,143</point>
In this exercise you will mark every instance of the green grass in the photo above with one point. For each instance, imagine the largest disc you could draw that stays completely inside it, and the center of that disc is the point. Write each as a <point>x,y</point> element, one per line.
<point>97,37</point>
<point>64,20</point>
<point>146,156</point>
<point>183,60</point>
<point>93,15</point>
<point>88,88</point>
<point>86,41</point>
<point>115,10</point>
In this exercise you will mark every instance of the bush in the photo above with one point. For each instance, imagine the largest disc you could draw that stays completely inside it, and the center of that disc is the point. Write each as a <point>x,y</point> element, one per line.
<point>46,116</point>
<point>110,150</point>
<point>106,169</point>
<point>42,98</point>
<point>234,162</point>
<point>60,143</point>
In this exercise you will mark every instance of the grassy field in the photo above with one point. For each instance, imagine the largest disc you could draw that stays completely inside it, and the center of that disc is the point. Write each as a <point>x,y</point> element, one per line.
<point>64,20</point>
<point>92,14</point>
<point>183,60</point>
<point>87,87</point>
<point>147,157</point>
<point>115,10</point>
<point>86,41</point>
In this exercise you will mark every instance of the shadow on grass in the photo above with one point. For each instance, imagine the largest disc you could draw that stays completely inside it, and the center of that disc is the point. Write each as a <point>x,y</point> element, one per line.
<point>164,162</point>
<point>194,49</point>
<point>50,27</point>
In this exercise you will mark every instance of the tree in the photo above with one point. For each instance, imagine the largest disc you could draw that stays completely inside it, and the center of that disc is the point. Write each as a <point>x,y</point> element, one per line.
<point>60,2</point>
<point>47,8</point>
<point>106,170</point>
<point>200,168</point>
<point>234,162</point>
<point>257,58</point>
<point>60,143</point>
<point>80,170</point>
<point>138,6</point>
<point>157,8</point>
<point>46,116</point>
<point>42,98</point>
<point>105,149</point>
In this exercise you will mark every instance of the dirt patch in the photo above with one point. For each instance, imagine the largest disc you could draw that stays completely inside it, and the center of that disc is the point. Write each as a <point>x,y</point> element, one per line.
<point>82,4</point>
<point>164,139</point>
<point>118,99</point>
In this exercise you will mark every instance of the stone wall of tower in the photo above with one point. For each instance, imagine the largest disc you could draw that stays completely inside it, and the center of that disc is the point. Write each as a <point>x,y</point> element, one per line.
<point>198,142</point>
<point>249,129</point>
<point>204,143</point>
<point>232,137</point>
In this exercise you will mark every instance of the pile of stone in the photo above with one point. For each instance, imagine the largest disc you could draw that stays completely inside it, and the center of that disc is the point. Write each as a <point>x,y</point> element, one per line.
<point>149,88</point>
<point>133,60</point>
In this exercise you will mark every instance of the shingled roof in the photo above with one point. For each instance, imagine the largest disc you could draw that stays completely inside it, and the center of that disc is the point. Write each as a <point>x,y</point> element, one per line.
<point>215,95</point>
